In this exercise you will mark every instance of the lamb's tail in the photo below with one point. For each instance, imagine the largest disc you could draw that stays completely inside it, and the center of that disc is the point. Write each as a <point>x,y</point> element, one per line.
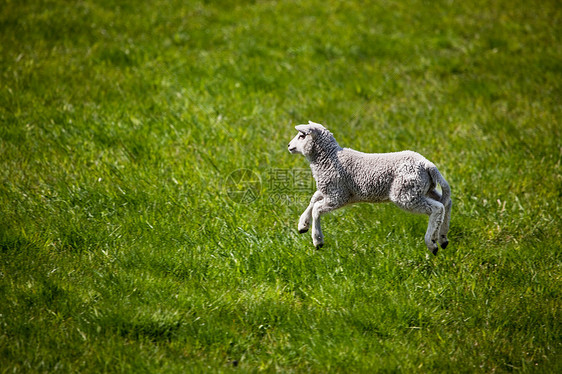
<point>438,178</point>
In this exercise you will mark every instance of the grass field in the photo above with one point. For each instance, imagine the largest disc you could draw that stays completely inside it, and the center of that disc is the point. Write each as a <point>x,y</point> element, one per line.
<point>127,243</point>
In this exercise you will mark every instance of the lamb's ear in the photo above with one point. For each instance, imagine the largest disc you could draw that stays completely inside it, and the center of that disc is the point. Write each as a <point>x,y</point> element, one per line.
<point>315,128</point>
<point>317,125</point>
<point>305,129</point>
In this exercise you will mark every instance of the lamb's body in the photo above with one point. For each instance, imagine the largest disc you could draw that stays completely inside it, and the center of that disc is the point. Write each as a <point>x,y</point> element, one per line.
<point>345,176</point>
<point>370,177</point>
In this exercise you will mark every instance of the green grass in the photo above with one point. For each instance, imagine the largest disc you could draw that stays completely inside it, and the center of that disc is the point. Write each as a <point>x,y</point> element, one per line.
<point>122,248</point>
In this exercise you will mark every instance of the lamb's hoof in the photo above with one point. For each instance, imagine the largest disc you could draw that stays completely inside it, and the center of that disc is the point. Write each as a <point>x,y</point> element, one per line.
<point>432,246</point>
<point>444,244</point>
<point>302,231</point>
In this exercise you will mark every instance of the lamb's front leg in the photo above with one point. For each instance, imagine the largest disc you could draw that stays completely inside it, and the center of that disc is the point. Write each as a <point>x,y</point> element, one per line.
<point>304,221</point>
<point>321,207</point>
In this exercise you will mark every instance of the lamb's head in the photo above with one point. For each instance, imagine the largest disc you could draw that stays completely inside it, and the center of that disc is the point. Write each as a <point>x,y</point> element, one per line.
<point>312,139</point>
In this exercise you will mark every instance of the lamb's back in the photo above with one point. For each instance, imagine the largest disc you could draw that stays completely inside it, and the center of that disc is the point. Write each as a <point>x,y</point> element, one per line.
<point>370,175</point>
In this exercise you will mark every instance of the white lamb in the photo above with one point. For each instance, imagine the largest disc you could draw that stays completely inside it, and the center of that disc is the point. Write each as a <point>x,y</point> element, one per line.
<point>345,176</point>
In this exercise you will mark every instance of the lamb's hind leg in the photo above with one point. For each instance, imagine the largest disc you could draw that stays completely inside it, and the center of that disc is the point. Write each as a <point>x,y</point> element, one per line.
<point>306,216</point>
<point>444,229</point>
<point>436,212</point>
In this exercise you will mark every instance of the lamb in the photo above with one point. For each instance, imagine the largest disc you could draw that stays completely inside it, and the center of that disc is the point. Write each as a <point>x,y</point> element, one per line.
<point>345,176</point>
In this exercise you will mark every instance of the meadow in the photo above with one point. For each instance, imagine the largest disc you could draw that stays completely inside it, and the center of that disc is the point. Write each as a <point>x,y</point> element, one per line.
<point>149,205</point>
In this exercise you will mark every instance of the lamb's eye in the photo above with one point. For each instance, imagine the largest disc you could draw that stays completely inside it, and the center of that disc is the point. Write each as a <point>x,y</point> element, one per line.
<point>302,136</point>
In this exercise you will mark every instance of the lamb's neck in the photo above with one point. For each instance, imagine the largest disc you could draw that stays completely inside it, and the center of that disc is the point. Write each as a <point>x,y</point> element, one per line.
<point>325,160</point>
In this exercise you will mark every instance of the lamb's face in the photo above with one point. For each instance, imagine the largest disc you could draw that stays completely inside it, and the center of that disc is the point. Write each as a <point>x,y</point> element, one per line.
<point>302,143</point>
<point>308,139</point>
